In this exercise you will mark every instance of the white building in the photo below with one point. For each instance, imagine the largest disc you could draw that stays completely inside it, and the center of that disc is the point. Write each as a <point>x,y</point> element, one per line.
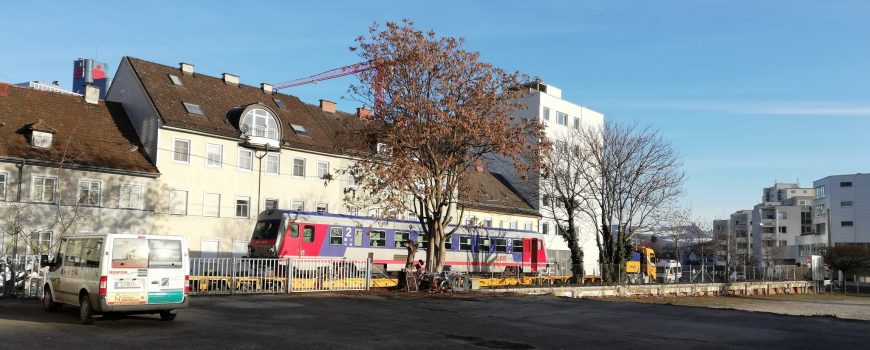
<point>783,216</point>
<point>841,212</point>
<point>544,102</point>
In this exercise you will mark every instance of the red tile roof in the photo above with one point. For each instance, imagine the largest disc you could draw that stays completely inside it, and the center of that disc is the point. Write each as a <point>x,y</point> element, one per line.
<point>219,100</point>
<point>93,135</point>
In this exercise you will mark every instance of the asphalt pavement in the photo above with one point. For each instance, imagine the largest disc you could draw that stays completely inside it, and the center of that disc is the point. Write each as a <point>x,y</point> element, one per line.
<point>328,321</point>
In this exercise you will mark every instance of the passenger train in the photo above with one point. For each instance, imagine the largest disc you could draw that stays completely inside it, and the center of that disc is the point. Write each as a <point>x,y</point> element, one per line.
<point>472,249</point>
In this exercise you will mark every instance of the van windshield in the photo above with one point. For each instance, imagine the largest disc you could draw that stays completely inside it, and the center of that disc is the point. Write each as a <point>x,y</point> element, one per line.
<point>146,253</point>
<point>267,229</point>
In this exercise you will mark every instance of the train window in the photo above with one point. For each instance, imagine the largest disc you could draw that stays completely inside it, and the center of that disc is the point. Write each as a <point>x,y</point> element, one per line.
<point>357,237</point>
<point>448,243</point>
<point>308,233</point>
<point>517,246</point>
<point>422,241</point>
<point>500,245</point>
<point>464,242</point>
<point>336,236</point>
<point>399,239</point>
<point>483,244</point>
<point>266,229</point>
<point>294,231</point>
<point>540,245</point>
<point>378,239</point>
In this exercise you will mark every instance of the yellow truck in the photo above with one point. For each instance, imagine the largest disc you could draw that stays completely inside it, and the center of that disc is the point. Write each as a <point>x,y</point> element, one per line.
<point>641,268</point>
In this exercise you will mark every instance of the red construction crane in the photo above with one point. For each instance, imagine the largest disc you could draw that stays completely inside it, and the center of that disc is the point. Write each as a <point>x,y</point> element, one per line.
<point>337,73</point>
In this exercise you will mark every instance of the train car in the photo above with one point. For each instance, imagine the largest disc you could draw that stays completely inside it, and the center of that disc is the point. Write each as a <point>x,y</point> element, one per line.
<point>286,233</point>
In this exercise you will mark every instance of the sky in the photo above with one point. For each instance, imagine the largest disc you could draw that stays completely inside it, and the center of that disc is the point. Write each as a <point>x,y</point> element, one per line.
<point>749,92</point>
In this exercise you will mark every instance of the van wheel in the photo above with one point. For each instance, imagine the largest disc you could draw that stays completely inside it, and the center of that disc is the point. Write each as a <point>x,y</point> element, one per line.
<point>47,303</point>
<point>86,315</point>
<point>167,315</point>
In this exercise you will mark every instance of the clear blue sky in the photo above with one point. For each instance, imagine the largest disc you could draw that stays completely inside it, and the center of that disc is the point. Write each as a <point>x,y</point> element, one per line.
<point>749,91</point>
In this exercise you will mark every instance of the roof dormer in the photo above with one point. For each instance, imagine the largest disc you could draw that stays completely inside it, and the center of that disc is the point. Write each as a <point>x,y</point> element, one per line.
<point>260,127</point>
<point>41,135</point>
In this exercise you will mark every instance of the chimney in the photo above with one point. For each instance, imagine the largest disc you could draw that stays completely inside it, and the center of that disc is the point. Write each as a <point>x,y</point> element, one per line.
<point>186,68</point>
<point>363,112</point>
<point>327,106</point>
<point>231,79</point>
<point>267,88</point>
<point>92,94</point>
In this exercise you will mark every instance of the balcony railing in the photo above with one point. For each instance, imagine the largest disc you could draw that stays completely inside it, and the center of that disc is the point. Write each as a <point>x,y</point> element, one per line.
<point>263,131</point>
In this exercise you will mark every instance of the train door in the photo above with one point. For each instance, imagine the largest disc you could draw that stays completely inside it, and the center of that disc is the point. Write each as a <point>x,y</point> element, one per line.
<point>530,253</point>
<point>292,241</point>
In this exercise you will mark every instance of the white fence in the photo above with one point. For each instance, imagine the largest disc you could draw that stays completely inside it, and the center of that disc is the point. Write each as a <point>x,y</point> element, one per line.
<point>273,276</point>
<point>20,276</point>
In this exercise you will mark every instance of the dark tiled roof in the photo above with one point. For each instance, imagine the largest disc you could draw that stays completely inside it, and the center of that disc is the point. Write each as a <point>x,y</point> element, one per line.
<point>492,192</point>
<point>86,134</point>
<point>219,100</point>
<point>341,126</point>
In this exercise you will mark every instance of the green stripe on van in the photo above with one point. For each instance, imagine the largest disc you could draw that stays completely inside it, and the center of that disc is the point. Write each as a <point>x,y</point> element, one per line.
<point>170,296</point>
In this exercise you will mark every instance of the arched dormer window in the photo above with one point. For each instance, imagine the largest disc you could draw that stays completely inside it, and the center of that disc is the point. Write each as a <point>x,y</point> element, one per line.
<point>258,122</point>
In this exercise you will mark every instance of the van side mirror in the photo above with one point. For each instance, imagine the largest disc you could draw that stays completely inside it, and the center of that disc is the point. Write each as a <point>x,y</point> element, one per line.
<point>43,261</point>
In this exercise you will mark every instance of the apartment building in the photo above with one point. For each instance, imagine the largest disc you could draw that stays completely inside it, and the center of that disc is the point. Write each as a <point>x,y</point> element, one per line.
<point>69,163</point>
<point>226,151</point>
<point>841,209</point>
<point>783,216</point>
<point>544,102</point>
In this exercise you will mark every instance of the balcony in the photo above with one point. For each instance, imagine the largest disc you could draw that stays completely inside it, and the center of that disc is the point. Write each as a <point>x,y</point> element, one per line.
<point>259,136</point>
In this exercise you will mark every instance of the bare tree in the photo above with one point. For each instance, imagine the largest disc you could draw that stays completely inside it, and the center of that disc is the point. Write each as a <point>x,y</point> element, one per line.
<point>564,190</point>
<point>438,112</point>
<point>675,224</point>
<point>631,174</point>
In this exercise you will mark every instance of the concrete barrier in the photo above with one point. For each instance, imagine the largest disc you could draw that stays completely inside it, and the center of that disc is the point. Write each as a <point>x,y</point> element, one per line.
<point>703,289</point>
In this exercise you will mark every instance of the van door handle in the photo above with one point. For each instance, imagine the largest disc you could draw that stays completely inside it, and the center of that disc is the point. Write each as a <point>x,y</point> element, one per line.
<point>153,282</point>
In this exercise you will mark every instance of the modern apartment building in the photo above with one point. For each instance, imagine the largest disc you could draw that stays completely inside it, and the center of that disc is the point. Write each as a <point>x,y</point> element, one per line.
<point>784,214</point>
<point>841,211</point>
<point>544,102</point>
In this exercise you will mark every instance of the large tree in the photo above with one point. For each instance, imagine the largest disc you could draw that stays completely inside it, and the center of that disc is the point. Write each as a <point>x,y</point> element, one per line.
<point>438,111</point>
<point>632,174</point>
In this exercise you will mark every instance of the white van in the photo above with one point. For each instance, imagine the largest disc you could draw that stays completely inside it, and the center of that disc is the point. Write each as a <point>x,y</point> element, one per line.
<point>102,273</point>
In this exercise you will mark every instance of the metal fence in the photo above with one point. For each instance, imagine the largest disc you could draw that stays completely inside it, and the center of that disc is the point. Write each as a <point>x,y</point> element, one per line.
<point>20,276</point>
<point>273,276</point>
<point>705,274</point>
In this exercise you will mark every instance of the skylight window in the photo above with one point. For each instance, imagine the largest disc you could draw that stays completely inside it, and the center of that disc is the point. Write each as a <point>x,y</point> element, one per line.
<point>299,129</point>
<point>175,80</point>
<point>279,103</point>
<point>193,108</point>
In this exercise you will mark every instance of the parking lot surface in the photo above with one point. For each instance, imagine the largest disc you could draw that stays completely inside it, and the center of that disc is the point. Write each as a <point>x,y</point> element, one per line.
<point>423,322</point>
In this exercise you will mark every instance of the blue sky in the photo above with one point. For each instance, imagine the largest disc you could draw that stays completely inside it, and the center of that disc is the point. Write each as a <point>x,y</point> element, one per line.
<point>749,91</point>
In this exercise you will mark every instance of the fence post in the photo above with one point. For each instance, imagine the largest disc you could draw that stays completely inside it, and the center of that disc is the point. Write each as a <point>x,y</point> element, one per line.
<point>368,272</point>
<point>232,275</point>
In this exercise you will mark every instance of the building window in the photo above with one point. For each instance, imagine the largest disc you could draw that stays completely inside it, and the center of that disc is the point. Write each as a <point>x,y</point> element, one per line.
<point>299,130</point>
<point>44,189</point>
<point>175,80</point>
<point>846,204</point>
<point>3,180</point>
<point>322,208</point>
<point>448,244</point>
<point>260,123</point>
<point>351,210</point>
<point>500,245</point>
<point>279,103</point>
<point>517,246</point>
<point>377,239</point>
<point>178,202</point>
<point>336,236</point>
<point>299,167</point>
<point>562,118</point>
<point>783,243</point>
<point>297,206</point>
<point>181,151</point>
<point>246,159</point>
<point>846,184</point>
<point>546,114</point>
<point>846,224</point>
<point>576,123</point>
<point>214,155</point>
<point>399,238</point>
<point>41,139</point>
<point>243,205</point>
<point>545,228</point>
<point>351,180</point>
<point>273,163</point>
<point>820,192</point>
<point>423,241</point>
<point>783,229</point>
<point>40,242</point>
<point>483,244</point>
<point>374,212</point>
<point>271,204</point>
<point>513,225</point>
<point>89,193</point>
<point>322,169</point>
<point>465,243</point>
<point>131,196</point>
<point>528,226</point>
<point>211,205</point>
<point>487,222</point>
